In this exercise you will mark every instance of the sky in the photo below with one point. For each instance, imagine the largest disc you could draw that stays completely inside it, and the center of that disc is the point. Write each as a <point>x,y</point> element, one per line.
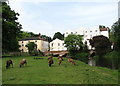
<point>50,16</point>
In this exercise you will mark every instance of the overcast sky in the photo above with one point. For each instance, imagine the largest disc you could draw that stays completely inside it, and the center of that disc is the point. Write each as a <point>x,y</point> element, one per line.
<point>50,16</point>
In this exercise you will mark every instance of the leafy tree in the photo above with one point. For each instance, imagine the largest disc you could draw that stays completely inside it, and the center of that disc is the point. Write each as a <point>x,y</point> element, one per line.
<point>58,35</point>
<point>116,35</point>
<point>116,39</point>
<point>102,45</point>
<point>10,29</point>
<point>32,48</point>
<point>74,43</point>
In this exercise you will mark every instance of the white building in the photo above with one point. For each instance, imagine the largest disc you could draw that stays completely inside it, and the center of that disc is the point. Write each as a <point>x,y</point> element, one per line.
<point>57,45</point>
<point>88,33</point>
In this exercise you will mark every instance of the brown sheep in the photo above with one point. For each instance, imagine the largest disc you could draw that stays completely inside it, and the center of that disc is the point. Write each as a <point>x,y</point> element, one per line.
<point>23,62</point>
<point>60,57</point>
<point>8,64</point>
<point>60,60</point>
<point>71,60</point>
<point>50,60</point>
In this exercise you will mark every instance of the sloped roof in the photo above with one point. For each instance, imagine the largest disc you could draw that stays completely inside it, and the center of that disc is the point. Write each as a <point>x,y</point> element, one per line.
<point>32,38</point>
<point>103,29</point>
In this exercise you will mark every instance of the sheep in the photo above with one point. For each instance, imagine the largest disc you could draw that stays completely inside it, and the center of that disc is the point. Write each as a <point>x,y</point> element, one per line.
<point>23,62</point>
<point>60,60</point>
<point>60,56</point>
<point>71,60</point>
<point>50,60</point>
<point>8,64</point>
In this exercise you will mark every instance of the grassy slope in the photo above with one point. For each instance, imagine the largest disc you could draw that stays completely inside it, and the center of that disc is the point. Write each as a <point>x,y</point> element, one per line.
<point>37,71</point>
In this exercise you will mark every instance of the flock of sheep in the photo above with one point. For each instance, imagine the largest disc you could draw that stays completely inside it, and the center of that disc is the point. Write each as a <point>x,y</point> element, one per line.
<point>50,61</point>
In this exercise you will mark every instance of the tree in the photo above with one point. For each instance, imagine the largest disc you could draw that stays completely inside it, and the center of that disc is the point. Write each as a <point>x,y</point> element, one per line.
<point>10,29</point>
<point>58,35</point>
<point>102,45</point>
<point>116,35</point>
<point>73,43</point>
<point>115,31</point>
<point>32,48</point>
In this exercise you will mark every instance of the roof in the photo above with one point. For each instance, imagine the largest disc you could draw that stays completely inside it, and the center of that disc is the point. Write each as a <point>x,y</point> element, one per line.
<point>103,29</point>
<point>32,38</point>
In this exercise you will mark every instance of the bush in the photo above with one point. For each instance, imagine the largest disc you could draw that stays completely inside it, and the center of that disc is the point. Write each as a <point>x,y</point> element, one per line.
<point>40,53</point>
<point>112,59</point>
<point>82,57</point>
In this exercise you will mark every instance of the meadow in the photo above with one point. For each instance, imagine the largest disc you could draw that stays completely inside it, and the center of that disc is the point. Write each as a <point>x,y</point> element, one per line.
<point>37,71</point>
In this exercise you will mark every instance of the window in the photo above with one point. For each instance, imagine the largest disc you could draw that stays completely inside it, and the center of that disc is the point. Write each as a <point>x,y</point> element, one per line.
<point>52,44</point>
<point>71,32</point>
<point>95,30</point>
<point>22,50</point>
<point>35,40</point>
<point>22,44</point>
<point>76,32</point>
<point>90,31</point>
<point>58,44</point>
<point>66,32</point>
<point>22,41</point>
<point>86,31</point>
<point>63,44</point>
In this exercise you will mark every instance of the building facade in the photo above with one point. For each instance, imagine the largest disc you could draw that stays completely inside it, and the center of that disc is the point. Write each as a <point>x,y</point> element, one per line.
<point>42,45</point>
<point>57,45</point>
<point>88,33</point>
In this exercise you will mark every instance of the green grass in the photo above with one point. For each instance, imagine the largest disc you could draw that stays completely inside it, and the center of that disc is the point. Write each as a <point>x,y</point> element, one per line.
<point>37,71</point>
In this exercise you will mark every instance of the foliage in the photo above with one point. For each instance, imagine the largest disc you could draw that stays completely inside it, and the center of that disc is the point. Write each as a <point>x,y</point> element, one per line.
<point>32,48</point>
<point>82,56</point>
<point>102,45</point>
<point>10,29</point>
<point>73,43</point>
<point>112,59</point>
<point>47,38</point>
<point>77,49</point>
<point>116,35</point>
<point>58,35</point>
<point>40,53</point>
<point>116,38</point>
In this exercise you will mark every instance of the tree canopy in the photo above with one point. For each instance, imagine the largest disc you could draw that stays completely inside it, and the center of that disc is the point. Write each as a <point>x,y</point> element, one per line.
<point>101,44</point>
<point>10,29</point>
<point>73,42</point>
<point>58,35</point>
<point>32,47</point>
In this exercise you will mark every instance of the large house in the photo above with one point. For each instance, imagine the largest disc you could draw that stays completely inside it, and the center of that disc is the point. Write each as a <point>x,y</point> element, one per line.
<point>57,45</point>
<point>42,45</point>
<point>88,33</point>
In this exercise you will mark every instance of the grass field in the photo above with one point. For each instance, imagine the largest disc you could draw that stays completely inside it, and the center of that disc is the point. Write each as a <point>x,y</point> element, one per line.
<point>37,71</point>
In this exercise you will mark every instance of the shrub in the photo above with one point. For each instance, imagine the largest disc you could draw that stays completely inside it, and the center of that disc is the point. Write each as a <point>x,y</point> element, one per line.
<point>82,57</point>
<point>112,59</point>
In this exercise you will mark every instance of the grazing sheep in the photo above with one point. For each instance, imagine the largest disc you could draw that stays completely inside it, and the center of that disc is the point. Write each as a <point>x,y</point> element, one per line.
<point>71,60</point>
<point>60,57</point>
<point>50,60</point>
<point>60,60</point>
<point>8,64</point>
<point>23,62</point>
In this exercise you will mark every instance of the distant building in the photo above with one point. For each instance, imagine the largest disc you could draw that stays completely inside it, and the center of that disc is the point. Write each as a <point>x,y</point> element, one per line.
<point>88,33</point>
<point>57,45</point>
<point>42,45</point>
